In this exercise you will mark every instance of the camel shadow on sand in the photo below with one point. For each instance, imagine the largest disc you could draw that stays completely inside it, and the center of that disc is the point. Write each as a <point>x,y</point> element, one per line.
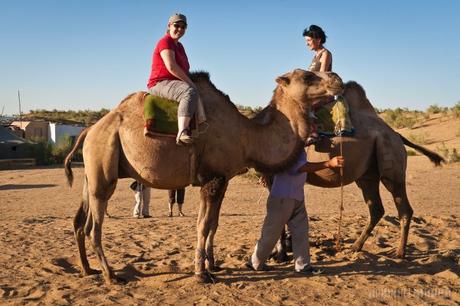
<point>25,186</point>
<point>381,264</point>
<point>368,264</point>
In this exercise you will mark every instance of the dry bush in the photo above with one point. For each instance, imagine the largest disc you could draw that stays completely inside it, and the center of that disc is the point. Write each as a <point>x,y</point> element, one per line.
<point>400,118</point>
<point>421,139</point>
<point>451,155</point>
<point>436,109</point>
<point>456,110</point>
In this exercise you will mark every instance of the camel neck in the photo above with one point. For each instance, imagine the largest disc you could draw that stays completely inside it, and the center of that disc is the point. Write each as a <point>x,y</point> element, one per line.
<point>275,144</point>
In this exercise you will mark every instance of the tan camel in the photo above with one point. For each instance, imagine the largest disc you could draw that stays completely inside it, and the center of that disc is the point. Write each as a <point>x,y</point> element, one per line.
<point>115,148</point>
<point>375,154</point>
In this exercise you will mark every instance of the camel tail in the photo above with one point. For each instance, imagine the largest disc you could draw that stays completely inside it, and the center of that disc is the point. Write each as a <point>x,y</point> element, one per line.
<point>80,222</point>
<point>433,156</point>
<point>68,159</point>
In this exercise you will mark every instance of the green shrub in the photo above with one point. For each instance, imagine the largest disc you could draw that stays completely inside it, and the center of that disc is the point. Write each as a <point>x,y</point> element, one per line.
<point>41,151</point>
<point>48,154</point>
<point>61,149</point>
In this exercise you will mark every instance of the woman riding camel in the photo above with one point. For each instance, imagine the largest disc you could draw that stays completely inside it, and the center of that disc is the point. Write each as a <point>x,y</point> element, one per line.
<point>315,38</point>
<point>169,78</point>
<point>322,61</point>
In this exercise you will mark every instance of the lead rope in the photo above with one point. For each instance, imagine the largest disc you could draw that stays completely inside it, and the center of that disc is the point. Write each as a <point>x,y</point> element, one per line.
<point>338,245</point>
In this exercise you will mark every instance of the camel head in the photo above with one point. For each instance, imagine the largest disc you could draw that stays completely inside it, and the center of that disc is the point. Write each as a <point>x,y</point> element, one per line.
<point>298,89</point>
<point>306,86</point>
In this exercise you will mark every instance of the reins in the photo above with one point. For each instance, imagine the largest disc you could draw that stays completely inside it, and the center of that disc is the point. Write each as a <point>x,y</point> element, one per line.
<point>338,245</point>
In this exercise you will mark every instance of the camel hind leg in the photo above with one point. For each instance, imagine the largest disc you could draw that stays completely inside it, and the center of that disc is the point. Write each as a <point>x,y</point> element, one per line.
<point>88,222</point>
<point>405,212</point>
<point>79,222</point>
<point>392,161</point>
<point>369,185</point>
<point>98,208</point>
<point>101,153</point>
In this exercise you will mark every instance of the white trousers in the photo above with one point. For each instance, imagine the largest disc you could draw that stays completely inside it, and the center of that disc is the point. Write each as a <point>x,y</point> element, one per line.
<point>142,198</point>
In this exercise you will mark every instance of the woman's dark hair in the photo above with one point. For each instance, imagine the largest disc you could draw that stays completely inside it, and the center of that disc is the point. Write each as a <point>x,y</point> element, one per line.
<point>315,32</point>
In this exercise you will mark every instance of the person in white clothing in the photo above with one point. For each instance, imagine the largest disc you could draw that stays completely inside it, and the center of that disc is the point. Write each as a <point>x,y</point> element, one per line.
<point>142,200</point>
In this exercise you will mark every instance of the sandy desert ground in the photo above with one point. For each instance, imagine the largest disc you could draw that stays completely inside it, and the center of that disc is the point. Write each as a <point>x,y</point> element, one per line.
<point>39,262</point>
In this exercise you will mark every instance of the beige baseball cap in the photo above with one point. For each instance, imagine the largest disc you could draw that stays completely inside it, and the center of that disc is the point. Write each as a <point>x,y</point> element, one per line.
<point>177,17</point>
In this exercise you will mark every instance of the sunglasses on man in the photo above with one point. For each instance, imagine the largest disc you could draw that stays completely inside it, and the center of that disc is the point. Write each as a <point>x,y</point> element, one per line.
<point>180,25</point>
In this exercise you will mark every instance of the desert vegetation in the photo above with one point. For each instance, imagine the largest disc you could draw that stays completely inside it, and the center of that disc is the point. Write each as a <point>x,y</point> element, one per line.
<point>399,118</point>
<point>86,117</point>
<point>46,153</point>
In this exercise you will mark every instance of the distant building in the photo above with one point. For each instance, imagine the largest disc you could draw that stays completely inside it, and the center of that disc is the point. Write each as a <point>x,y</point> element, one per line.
<point>57,131</point>
<point>34,130</point>
<point>51,132</point>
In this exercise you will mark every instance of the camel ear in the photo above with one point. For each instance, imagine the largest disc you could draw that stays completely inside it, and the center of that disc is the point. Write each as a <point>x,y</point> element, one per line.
<point>283,81</point>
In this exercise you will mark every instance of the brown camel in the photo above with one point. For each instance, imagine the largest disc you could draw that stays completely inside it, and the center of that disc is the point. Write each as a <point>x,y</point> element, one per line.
<point>375,154</point>
<point>115,148</point>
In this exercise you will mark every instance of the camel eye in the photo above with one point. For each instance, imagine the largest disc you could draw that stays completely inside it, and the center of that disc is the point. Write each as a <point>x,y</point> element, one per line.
<point>308,78</point>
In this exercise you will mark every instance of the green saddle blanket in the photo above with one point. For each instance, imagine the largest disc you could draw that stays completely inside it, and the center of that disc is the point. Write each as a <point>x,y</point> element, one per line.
<point>163,112</point>
<point>333,118</point>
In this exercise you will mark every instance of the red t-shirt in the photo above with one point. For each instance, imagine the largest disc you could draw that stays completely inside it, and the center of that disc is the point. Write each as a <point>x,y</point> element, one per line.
<point>159,71</point>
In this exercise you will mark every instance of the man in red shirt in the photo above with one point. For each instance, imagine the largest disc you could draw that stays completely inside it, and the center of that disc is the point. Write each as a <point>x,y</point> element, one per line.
<point>169,77</point>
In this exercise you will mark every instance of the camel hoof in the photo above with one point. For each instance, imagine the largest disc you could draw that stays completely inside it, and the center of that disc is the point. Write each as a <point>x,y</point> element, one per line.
<point>400,254</point>
<point>356,248</point>
<point>205,278</point>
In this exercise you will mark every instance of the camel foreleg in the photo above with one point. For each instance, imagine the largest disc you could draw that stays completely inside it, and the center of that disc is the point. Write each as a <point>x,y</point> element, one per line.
<point>210,261</point>
<point>212,194</point>
<point>371,194</point>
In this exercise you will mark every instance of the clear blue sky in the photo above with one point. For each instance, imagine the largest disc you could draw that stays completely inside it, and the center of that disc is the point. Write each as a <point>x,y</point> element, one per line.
<point>90,54</point>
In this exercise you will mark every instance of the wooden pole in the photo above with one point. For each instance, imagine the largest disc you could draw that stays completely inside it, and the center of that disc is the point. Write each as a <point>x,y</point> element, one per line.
<point>20,112</point>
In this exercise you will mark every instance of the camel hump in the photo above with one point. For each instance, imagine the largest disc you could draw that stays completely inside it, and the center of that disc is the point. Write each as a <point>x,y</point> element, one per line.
<point>356,97</point>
